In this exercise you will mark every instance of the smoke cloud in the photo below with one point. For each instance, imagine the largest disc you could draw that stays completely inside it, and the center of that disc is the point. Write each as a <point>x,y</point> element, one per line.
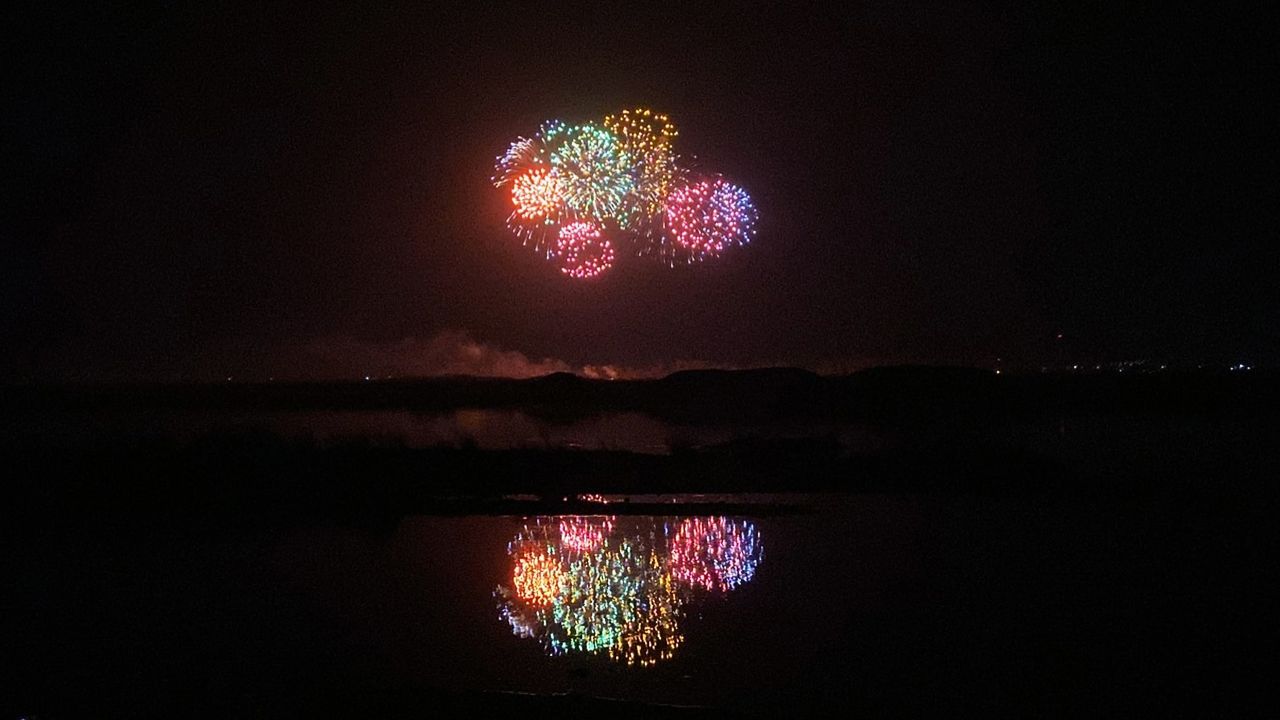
<point>457,353</point>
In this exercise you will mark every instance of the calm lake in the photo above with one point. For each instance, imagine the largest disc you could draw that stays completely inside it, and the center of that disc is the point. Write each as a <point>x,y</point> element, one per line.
<point>872,602</point>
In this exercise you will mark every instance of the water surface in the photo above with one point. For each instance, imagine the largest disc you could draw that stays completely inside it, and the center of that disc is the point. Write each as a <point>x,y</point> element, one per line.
<point>900,603</point>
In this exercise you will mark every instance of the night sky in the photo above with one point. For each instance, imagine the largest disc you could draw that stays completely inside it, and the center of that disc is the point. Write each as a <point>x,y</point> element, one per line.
<point>207,191</point>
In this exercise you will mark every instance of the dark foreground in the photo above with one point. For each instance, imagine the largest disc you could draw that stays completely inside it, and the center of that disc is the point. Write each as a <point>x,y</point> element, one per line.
<point>1063,547</point>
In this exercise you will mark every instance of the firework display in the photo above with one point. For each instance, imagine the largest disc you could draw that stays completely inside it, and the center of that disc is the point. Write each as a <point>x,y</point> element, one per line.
<point>578,190</point>
<point>597,585</point>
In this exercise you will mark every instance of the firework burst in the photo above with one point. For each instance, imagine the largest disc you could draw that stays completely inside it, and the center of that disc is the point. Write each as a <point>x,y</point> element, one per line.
<point>596,172</point>
<point>648,138</point>
<point>584,534</point>
<point>582,250</point>
<point>537,578</point>
<point>707,217</point>
<point>576,189</point>
<point>537,194</point>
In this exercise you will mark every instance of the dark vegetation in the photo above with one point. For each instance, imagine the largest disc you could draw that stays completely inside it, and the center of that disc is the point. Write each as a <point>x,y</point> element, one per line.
<point>906,395</point>
<point>937,430</point>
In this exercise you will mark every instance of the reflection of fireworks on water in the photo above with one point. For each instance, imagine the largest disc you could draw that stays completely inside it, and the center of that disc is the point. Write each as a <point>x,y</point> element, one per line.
<point>653,633</point>
<point>580,584</point>
<point>523,619</point>
<point>537,577</point>
<point>715,553</point>
<point>599,599</point>
<point>584,534</point>
<point>618,601</point>
<point>540,536</point>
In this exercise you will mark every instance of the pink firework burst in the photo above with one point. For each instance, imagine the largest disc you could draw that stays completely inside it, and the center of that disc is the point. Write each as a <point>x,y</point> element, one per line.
<point>583,251</point>
<point>707,217</point>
